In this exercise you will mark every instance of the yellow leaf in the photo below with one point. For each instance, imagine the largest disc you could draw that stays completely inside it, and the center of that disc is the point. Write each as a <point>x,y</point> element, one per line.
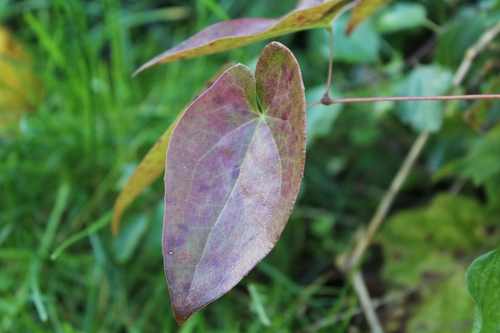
<point>18,86</point>
<point>362,11</point>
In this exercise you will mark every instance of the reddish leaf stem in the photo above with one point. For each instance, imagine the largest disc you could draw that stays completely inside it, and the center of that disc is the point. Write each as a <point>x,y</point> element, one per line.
<point>328,101</point>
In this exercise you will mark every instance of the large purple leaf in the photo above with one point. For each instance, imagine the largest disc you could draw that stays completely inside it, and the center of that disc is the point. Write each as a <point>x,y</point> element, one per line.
<point>232,176</point>
<point>230,34</point>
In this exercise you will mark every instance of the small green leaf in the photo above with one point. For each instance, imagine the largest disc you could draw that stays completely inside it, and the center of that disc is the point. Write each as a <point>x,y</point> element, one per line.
<point>483,284</point>
<point>232,175</point>
<point>443,307</point>
<point>457,38</point>
<point>360,47</point>
<point>424,81</point>
<point>482,161</point>
<point>424,240</point>
<point>428,248</point>
<point>480,164</point>
<point>401,16</point>
<point>222,36</point>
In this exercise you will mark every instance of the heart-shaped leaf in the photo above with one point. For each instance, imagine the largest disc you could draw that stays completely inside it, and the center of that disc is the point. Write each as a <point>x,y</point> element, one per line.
<point>363,11</point>
<point>152,164</point>
<point>230,34</point>
<point>232,176</point>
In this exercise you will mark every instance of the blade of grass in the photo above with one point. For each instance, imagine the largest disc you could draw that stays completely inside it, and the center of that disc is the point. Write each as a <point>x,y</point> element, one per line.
<point>61,202</point>
<point>93,228</point>
<point>43,35</point>
<point>259,307</point>
<point>216,9</point>
<point>36,295</point>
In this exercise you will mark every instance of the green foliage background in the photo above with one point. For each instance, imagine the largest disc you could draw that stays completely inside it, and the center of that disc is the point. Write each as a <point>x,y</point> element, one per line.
<point>62,167</point>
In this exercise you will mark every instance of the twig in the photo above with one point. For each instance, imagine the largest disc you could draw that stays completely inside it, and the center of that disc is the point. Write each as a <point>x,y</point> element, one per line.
<point>366,303</point>
<point>473,52</point>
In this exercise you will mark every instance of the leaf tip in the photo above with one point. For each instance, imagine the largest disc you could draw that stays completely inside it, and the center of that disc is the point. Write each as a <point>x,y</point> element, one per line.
<point>148,64</point>
<point>179,319</point>
<point>140,69</point>
<point>182,314</point>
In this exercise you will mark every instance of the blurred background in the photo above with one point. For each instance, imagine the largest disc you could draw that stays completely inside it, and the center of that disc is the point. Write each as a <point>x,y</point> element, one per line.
<point>74,125</point>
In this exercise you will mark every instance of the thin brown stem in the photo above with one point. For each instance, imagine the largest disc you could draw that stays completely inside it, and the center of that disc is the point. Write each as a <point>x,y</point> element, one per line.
<point>328,101</point>
<point>330,64</point>
<point>404,98</point>
<point>473,52</point>
<point>366,303</point>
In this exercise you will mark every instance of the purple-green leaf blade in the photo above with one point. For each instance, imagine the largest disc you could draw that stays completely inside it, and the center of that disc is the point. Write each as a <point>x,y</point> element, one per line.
<point>222,36</point>
<point>232,176</point>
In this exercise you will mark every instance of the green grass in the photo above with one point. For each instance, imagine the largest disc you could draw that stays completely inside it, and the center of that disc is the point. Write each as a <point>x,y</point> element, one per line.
<point>61,270</point>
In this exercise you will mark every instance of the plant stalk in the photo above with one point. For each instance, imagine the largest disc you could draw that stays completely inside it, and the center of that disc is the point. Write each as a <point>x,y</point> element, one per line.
<point>328,101</point>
